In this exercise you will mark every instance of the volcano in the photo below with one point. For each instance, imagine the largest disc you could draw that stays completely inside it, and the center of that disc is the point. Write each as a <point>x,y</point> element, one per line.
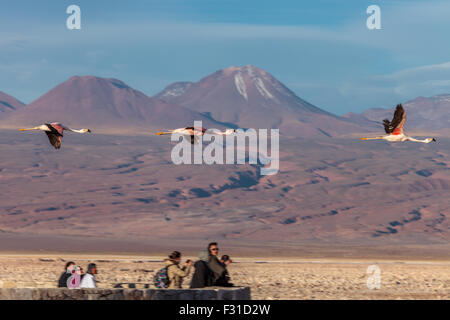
<point>252,98</point>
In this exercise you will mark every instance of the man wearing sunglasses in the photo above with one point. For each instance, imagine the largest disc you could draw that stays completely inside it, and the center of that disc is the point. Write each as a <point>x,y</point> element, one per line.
<point>214,262</point>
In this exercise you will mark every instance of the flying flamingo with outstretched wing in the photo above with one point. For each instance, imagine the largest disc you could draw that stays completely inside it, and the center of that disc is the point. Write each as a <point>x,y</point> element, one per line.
<point>194,132</point>
<point>55,132</point>
<point>394,129</point>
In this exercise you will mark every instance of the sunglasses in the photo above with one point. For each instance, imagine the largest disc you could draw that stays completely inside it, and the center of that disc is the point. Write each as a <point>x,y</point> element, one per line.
<point>215,249</point>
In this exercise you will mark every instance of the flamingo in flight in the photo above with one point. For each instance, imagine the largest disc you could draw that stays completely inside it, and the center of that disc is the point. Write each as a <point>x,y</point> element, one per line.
<point>55,132</point>
<point>194,132</point>
<point>394,129</point>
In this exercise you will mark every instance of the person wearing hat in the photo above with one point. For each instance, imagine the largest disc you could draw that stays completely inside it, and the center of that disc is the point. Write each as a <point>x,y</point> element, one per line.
<point>175,273</point>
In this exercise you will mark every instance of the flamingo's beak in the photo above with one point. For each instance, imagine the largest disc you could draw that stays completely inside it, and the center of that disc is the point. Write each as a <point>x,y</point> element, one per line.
<point>433,139</point>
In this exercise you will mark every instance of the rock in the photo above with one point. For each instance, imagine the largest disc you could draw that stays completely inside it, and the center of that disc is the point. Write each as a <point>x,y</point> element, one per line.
<point>8,284</point>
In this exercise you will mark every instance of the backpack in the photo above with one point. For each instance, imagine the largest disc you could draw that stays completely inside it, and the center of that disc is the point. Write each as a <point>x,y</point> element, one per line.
<point>161,278</point>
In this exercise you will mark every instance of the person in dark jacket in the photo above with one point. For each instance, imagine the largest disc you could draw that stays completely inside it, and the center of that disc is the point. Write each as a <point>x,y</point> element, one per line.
<point>203,276</point>
<point>214,263</point>
<point>62,282</point>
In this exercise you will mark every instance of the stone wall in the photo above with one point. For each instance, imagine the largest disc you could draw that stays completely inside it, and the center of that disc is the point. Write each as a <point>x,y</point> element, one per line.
<point>238,293</point>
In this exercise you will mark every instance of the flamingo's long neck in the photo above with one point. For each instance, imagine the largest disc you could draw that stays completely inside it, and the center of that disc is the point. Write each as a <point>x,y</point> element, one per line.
<point>43,128</point>
<point>29,129</point>
<point>418,140</point>
<point>75,130</point>
<point>375,138</point>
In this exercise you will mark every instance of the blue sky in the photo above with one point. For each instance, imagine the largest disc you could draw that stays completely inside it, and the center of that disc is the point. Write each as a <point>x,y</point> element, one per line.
<point>321,49</point>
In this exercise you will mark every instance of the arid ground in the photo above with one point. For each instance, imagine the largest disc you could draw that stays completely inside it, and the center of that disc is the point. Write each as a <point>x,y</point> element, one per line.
<point>269,278</point>
<point>336,207</point>
<point>127,187</point>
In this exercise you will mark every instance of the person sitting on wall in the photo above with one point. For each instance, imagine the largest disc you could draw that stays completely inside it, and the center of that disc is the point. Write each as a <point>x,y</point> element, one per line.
<point>89,280</point>
<point>175,273</point>
<point>203,275</point>
<point>62,282</point>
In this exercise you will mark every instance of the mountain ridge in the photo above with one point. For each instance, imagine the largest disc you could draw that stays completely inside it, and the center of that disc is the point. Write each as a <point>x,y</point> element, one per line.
<point>237,96</point>
<point>103,102</point>
<point>9,103</point>
<point>425,113</point>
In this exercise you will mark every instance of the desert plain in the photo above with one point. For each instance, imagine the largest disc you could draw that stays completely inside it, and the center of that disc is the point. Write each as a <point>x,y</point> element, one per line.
<point>270,278</point>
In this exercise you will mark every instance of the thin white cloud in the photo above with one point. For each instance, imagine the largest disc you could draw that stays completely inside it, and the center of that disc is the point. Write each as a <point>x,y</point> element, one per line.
<point>428,79</point>
<point>399,86</point>
<point>432,72</point>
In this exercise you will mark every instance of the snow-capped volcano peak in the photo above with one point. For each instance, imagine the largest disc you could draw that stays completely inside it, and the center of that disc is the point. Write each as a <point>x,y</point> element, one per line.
<point>233,69</point>
<point>248,77</point>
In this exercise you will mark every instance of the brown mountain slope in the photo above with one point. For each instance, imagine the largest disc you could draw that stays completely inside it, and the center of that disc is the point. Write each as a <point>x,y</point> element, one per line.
<point>103,103</point>
<point>8,104</point>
